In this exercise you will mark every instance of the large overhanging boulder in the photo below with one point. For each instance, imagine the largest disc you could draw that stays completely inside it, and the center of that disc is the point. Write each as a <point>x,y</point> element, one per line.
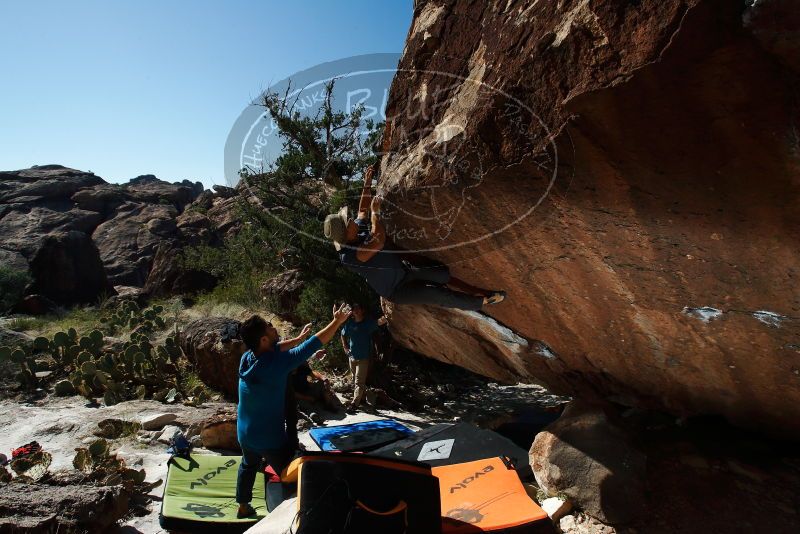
<point>628,172</point>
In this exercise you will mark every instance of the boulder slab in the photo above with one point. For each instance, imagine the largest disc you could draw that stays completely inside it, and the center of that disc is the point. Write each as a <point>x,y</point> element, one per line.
<point>67,269</point>
<point>169,275</point>
<point>128,241</point>
<point>167,433</point>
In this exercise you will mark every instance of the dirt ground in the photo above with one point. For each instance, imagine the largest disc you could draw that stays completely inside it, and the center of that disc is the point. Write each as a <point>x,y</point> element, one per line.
<point>60,424</point>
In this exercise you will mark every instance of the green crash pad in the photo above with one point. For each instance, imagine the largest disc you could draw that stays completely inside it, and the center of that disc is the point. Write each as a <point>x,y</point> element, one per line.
<point>200,494</point>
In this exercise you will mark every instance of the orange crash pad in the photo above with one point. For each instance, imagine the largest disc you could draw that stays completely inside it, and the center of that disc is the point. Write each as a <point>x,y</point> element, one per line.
<point>487,496</point>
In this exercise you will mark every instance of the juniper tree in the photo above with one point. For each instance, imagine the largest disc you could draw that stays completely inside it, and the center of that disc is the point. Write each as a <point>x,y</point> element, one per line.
<point>319,169</point>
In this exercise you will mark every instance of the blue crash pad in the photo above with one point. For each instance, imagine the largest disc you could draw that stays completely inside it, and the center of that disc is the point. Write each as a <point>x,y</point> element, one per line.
<point>364,436</point>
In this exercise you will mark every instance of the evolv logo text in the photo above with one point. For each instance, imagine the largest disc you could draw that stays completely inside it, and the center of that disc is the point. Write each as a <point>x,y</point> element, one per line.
<point>203,480</point>
<point>463,484</point>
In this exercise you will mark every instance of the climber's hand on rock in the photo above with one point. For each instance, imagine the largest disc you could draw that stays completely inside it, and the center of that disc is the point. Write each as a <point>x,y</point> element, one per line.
<point>376,204</point>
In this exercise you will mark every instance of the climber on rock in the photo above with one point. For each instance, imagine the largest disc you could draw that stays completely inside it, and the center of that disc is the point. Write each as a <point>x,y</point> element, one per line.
<point>363,251</point>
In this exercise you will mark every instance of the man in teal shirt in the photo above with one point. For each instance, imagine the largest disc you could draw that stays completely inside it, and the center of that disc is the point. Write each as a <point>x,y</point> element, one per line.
<point>357,344</point>
<point>263,372</point>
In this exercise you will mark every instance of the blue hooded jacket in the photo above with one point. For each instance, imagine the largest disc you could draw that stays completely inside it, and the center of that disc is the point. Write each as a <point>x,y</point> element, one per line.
<point>261,422</point>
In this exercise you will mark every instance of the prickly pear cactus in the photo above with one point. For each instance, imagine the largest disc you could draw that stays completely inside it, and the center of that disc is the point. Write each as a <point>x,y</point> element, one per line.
<point>41,343</point>
<point>33,466</point>
<point>84,364</point>
<point>102,468</point>
<point>26,365</point>
<point>65,388</point>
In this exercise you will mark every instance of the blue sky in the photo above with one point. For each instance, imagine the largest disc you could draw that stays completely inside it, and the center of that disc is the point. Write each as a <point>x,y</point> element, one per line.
<point>153,87</point>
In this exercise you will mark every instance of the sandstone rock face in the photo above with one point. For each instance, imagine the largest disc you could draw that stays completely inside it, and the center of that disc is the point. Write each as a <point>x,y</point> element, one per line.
<point>285,289</point>
<point>128,241</point>
<point>149,189</point>
<point>224,215</point>
<point>44,182</point>
<point>776,25</point>
<point>628,172</point>
<point>67,268</point>
<point>35,305</point>
<point>79,235</point>
<point>169,276</point>
<point>213,346</point>
<point>584,456</point>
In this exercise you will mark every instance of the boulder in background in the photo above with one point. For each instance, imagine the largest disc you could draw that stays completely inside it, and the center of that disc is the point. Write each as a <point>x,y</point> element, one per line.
<point>214,348</point>
<point>584,456</point>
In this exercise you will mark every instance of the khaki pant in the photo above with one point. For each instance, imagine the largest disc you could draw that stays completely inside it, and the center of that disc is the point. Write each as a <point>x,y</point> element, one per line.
<point>359,368</point>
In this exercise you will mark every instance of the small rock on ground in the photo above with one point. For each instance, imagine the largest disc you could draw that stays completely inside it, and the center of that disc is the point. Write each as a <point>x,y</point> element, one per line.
<point>65,508</point>
<point>556,508</point>
<point>583,524</point>
<point>158,420</point>
<point>168,433</point>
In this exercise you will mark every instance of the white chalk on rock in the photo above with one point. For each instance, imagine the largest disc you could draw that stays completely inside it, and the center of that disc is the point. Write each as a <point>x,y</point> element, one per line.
<point>556,508</point>
<point>499,332</point>
<point>157,421</point>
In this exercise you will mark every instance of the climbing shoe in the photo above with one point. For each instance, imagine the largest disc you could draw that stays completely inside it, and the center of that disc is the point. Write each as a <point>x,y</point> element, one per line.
<point>246,511</point>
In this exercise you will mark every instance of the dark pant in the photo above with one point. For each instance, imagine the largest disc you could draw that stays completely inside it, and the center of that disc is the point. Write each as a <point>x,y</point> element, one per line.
<point>290,414</point>
<point>427,285</point>
<point>253,462</point>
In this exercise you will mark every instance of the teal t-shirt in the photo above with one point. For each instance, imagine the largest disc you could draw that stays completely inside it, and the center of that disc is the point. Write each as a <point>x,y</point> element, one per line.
<point>262,393</point>
<point>359,337</point>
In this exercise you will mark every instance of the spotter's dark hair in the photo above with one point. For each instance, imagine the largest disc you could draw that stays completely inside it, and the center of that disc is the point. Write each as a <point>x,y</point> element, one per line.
<point>252,330</point>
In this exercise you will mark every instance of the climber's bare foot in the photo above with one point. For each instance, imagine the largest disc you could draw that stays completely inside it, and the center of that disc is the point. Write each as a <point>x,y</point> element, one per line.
<point>495,297</point>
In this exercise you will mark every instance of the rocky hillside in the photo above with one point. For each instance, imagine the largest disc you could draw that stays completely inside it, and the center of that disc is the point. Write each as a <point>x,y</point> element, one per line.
<point>81,237</point>
<point>628,172</point>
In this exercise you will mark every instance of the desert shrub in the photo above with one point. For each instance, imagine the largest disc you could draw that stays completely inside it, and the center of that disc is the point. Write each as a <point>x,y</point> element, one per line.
<point>12,286</point>
<point>240,265</point>
<point>25,323</point>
